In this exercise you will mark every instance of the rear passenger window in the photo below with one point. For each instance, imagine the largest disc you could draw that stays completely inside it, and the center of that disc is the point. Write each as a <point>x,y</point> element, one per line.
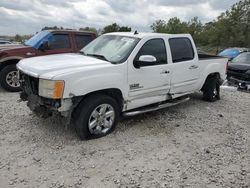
<point>59,41</point>
<point>156,48</point>
<point>181,49</point>
<point>83,40</point>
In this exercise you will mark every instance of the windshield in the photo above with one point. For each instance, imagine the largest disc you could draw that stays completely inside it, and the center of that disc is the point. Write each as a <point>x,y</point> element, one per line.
<point>112,48</point>
<point>242,58</point>
<point>229,53</point>
<point>36,40</point>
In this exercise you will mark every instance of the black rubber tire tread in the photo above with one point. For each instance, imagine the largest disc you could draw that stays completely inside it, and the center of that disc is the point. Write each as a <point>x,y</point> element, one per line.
<point>3,75</point>
<point>81,115</point>
<point>211,83</point>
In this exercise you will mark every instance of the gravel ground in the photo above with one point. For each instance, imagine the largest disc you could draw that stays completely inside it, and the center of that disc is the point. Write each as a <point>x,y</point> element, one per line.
<point>196,144</point>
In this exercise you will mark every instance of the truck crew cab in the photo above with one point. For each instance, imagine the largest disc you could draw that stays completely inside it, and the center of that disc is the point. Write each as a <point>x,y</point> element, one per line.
<point>119,74</point>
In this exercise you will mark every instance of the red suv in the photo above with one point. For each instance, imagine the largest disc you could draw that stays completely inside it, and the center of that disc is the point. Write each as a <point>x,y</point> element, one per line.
<point>43,43</point>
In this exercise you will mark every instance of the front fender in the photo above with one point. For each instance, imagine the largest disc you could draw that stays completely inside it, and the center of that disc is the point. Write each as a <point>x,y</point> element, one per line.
<point>82,83</point>
<point>10,58</point>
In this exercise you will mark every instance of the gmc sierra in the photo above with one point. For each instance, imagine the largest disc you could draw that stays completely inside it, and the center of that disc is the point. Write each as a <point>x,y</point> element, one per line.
<point>119,74</point>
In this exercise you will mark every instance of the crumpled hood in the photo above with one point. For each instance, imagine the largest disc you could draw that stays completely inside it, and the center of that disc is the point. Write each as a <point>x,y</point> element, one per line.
<point>53,65</point>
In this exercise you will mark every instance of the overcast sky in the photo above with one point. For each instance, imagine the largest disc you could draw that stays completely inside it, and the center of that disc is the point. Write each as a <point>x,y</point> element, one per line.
<point>29,16</point>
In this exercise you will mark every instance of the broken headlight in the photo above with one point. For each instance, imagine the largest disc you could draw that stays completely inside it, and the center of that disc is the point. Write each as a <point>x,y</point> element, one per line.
<point>52,89</point>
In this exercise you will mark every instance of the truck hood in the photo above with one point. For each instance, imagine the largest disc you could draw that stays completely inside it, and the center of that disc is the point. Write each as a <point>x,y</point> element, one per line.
<point>239,66</point>
<point>9,47</point>
<point>54,65</point>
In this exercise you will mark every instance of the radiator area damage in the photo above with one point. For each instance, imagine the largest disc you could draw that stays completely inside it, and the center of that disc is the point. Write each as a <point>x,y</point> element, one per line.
<point>239,76</point>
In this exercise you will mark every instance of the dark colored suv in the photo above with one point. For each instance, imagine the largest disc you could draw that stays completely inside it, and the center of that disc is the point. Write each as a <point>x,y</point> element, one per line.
<point>43,43</point>
<point>238,72</point>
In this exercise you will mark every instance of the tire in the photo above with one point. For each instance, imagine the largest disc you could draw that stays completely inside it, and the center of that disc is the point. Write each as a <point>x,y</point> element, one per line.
<point>89,111</point>
<point>8,78</point>
<point>211,89</point>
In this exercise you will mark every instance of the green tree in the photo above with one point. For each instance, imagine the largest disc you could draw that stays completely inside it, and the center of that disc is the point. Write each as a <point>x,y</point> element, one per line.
<point>238,23</point>
<point>91,29</point>
<point>115,28</point>
<point>173,26</point>
<point>195,28</point>
<point>18,38</point>
<point>159,26</point>
<point>52,28</point>
<point>125,29</point>
<point>230,29</point>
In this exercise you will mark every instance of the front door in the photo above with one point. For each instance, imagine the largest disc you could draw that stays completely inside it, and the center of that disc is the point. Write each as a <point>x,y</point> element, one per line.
<point>58,43</point>
<point>151,82</point>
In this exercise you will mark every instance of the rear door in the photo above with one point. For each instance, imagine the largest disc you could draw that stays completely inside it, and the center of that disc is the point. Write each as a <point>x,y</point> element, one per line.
<point>185,65</point>
<point>81,40</point>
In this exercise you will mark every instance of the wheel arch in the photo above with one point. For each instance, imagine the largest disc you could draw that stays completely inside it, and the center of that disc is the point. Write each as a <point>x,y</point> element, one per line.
<point>211,75</point>
<point>9,61</point>
<point>115,93</point>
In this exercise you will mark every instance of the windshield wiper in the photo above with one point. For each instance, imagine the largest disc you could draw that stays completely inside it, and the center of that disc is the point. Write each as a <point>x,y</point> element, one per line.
<point>81,52</point>
<point>102,57</point>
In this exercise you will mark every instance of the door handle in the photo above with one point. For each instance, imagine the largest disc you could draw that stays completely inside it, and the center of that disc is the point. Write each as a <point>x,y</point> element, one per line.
<point>194,67</point>
<point>165,72</point>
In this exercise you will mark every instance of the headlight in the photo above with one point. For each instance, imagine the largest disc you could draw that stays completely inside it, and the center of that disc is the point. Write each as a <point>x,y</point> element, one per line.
<point>51,88</point>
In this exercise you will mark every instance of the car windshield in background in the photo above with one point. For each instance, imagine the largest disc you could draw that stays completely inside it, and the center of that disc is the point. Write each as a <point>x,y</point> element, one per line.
<point>229,53</point>
<point>36,39</point>
<point>243,58</point>
<point>112,48</point>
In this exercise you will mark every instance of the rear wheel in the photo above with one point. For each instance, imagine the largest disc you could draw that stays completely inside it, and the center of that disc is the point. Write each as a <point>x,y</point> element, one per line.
<point>211,89</point>
<point>9,78</point>
<point>96,116</point>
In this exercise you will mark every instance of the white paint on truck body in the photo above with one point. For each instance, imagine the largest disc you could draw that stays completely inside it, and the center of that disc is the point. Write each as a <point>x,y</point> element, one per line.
<point>139,87</point>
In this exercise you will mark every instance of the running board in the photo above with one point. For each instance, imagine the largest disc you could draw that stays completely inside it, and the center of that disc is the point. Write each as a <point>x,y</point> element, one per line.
<point>150,109</point>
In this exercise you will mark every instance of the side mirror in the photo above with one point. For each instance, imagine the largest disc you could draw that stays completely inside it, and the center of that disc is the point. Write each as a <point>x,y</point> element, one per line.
<point>145,60</point>
<point>44,45</point>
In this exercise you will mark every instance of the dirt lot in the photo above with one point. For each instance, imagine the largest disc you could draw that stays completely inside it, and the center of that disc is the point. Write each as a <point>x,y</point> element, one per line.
<point>196,144</point>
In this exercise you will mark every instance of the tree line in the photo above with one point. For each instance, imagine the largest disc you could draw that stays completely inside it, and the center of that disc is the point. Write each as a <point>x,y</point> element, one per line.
<point>230,29</point>
<point>107,29</point>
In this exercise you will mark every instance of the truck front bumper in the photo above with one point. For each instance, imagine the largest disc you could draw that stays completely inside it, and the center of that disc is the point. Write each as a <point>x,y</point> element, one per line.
<point>46,107</point>
<point>40,105</point>
<point>241,84</point>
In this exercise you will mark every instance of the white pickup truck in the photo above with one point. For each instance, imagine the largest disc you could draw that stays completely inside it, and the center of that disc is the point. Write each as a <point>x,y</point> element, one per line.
<point>119,74</point>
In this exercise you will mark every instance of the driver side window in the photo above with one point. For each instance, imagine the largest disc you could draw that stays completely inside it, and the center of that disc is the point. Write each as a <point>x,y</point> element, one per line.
<point>59,41</point>
<point>156,48</point>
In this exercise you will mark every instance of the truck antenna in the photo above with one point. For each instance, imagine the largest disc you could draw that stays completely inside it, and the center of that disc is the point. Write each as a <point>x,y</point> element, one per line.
<point>136,33</point>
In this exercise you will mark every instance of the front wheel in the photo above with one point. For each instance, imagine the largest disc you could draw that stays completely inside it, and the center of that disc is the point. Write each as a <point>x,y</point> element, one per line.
<point>96,116</point>
<point>211,89</point>
<point>9,78</point>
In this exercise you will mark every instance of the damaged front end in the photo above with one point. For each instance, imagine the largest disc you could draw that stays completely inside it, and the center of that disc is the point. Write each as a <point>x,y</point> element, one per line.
<point>43,107</point>
<point>239,78</point>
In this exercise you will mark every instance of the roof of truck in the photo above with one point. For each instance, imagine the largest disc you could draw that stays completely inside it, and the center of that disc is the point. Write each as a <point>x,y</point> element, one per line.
<point>68,31</point>
<point>143,35</point>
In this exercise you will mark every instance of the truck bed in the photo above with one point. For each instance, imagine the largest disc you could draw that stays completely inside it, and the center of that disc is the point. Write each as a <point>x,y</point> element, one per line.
<point>207,56</point>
